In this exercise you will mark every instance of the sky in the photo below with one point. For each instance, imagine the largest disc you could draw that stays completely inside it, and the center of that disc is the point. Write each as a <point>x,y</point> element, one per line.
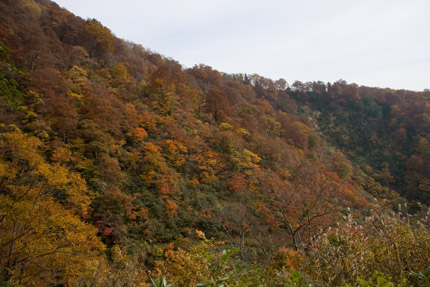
<point>378,43</point>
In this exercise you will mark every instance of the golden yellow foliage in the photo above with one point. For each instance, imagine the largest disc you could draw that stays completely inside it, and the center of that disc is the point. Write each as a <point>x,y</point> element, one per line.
<point>42,242</point>
<point>119,71</point>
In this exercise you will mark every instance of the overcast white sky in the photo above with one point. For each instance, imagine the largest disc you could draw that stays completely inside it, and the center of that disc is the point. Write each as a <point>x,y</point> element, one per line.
<point>381,43</point>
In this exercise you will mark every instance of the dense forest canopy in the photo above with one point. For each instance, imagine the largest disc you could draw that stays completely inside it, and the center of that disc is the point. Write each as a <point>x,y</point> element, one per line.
<point>118,166</point>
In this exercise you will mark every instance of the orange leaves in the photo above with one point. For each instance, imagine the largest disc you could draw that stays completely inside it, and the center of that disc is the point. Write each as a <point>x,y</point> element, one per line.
<point>269,217</point>
<point>212,158</point>
<point>304,204</point>
<point>287,258</point>
<point>351,196</point>
<point>238,182</point>
<point>148,121</point>
<point>161,90</point>
<point>193,182</point>
<point>172,208</point>
<point>151,148</point>
<point>142,214</point>
<point>175,152</point>
<point>148,176</point>
<point>207,163</point>
<point>139,134</point>
<point>271,220</point>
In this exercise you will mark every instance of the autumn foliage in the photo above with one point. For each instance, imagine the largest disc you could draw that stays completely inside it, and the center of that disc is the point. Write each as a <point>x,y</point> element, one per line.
<point>118,165</point>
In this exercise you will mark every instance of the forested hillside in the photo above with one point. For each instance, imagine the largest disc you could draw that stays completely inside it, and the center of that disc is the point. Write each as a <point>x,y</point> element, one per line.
<point>120,167</point>
<point>385,131</point>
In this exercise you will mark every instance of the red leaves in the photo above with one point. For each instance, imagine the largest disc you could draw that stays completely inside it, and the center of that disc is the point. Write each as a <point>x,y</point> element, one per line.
<point>107,231</point>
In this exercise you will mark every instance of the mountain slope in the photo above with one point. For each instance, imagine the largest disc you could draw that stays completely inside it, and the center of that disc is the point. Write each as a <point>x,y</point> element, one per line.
<point>154,158</point>
<point>385,131</point>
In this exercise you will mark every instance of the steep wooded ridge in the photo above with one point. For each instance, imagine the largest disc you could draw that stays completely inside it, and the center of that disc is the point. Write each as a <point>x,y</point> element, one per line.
<point>118,166</point>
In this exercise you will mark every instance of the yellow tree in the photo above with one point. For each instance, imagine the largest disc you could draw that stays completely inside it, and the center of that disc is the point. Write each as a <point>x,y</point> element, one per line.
<point>41,241</point>
<point>99,39</point>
